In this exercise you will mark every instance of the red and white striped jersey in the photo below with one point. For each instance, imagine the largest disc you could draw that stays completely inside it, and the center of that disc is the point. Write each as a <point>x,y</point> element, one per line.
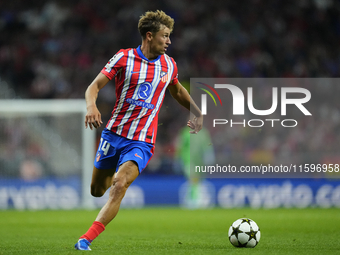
<point>140,89</point>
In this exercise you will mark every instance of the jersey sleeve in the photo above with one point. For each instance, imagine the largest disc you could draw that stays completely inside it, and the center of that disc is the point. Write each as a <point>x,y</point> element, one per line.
<point>112,67</point>
<point>174,78</point>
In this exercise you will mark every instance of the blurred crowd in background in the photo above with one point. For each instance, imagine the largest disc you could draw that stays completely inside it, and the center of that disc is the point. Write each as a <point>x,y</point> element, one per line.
<point>54,49</point>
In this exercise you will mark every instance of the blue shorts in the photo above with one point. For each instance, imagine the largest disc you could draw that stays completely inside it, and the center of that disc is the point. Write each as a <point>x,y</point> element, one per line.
<point>114,150</point>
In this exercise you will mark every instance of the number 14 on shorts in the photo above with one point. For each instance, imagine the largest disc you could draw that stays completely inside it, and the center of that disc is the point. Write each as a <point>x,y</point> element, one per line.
<point>103,146</point>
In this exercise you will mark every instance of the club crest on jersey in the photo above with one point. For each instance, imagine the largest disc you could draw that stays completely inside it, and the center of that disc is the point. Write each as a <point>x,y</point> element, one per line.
<point>164,76</point>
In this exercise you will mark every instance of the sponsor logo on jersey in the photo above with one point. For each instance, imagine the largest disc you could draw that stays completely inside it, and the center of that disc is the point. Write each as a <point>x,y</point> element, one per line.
<point>140,103</point>
<point>144,90</point>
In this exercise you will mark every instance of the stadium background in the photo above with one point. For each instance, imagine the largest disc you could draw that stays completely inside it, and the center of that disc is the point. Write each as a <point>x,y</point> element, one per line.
<point>54,49</point>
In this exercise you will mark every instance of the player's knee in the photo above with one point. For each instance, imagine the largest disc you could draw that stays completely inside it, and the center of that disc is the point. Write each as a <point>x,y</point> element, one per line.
<point>120,185</point>
<point>97,191</point>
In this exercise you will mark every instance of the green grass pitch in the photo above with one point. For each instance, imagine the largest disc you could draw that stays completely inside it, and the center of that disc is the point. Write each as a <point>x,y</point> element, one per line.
<point>171,231</point>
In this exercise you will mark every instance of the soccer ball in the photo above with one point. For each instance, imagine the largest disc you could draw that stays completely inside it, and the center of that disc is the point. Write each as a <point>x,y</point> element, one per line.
<point>244,232</point>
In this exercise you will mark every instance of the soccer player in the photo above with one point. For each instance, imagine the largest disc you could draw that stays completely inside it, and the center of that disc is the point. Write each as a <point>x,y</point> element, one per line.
<point>127,143</point>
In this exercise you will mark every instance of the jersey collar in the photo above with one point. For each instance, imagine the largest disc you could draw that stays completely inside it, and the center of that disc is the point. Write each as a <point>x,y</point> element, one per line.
<point>140,53</point>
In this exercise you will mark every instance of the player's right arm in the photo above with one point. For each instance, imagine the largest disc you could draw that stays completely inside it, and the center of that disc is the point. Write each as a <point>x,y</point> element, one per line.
<point>93,117</point>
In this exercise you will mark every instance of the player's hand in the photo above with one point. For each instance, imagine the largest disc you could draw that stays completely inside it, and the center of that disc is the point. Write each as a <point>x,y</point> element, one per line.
<point>195,124</point>
<point>93,118</point>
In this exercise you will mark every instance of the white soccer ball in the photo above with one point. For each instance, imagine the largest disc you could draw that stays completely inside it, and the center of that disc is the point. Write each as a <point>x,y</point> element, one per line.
<point>244,232</point>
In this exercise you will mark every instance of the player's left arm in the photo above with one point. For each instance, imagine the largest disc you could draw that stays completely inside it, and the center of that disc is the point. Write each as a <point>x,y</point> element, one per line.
<point>183,97</point>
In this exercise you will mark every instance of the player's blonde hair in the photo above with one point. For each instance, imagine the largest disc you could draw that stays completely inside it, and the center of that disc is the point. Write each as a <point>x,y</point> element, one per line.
<point>152,21</point>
